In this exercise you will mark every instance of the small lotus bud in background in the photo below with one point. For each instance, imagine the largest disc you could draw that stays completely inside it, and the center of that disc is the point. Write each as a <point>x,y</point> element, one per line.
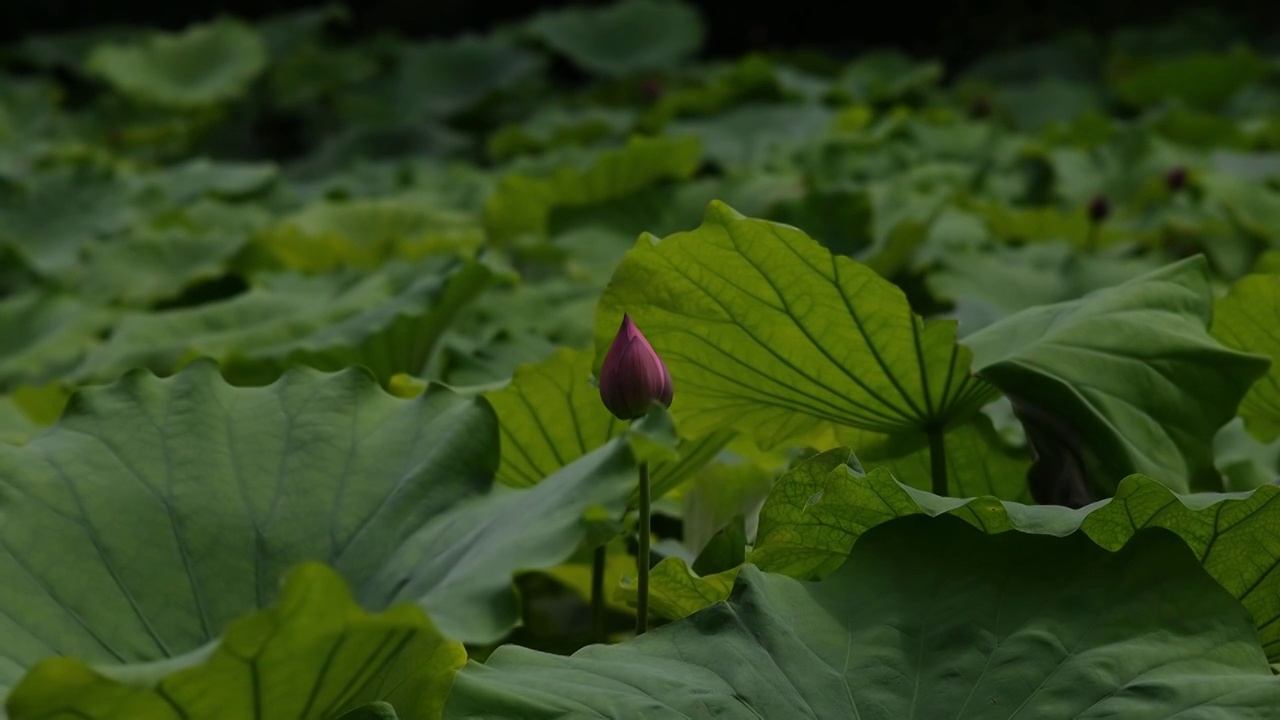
<point>652,88</point>
<point>1176,179</point>
<point>633,377</point>
<point>1099,209</point>
<point>980,107</point>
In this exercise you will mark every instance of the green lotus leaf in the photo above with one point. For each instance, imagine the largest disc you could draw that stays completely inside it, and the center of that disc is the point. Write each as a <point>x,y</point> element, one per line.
<point>442,79</point>
<point>1254,206</point>
<point>369,233</point>
<point>194,179</point>
<point>676,591</point>
<point>50,218</point>
<point>387,321</point>
<point>312,655</point>
<point>1248,319</point>
<point>978,461</point>
<point>203,65</point>
<point>549,415</point>
<point>990,284</point>
<point>16,426</point>
<point>147,267</point>
<point>626,38</point>
<point>1131,369</point>
<point>523,204</point>
<point>157,511</point>
<point>1203,80</point>
<point>756,134</point>
<point>768,333</point>
<point>512,325</point>
<point>928,618</point>
<point>819,509</point>
<point>44,336</point>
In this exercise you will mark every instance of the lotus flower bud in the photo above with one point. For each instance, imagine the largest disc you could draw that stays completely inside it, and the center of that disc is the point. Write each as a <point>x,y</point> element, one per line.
<point>1099,209</point>
<point>1176,179</point>
<point>633,376</point>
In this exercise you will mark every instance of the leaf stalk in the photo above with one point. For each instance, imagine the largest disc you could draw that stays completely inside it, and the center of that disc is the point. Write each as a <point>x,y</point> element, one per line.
<point>642,557</point>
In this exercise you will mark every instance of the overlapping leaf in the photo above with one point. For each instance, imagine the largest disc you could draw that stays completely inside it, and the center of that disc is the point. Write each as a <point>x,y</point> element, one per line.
<point>769,333</point>
<point>927,618</point>
<point>44,336</point>
<point>1131,369</point>
<point>819,509</point>
<point>156,512</point>
<point>313,655</point>
<point>522,204</point>
<point>388,322</point>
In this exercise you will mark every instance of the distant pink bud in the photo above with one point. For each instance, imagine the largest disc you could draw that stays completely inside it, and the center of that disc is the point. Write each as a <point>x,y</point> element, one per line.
<point>1099,209</point>
<point>633,376</point>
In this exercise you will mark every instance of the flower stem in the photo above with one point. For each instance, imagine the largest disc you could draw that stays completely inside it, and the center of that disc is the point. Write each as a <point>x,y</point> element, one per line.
<point>938,461</point>
<point>598,633</point>
<point>642,557</point>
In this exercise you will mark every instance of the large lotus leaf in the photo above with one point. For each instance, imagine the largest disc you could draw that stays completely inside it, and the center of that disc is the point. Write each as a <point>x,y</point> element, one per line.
<point>150,266</point>
<point>510,531</point>
<point>1131,369</point>
<point>369,233</point>
<point>312,655</point>
<point>157,511</point>
<point>1033,105</point>
<point>991,283</point>
<point>42,337</point>
<point>819,509</point>
<point>1202,80</point>
<point>204,65</point>
<point>766,332</point>
<point>513,325</point>
<point>196,178</point>
<point>522,204</point>
<point>557,127</point>
<point>49,219</point>
<point>388,322</point>
<point>928,618</point>
<point>628,37</point>
<point>1248,319</point>
<point>886,77</point>
<point>752,135</point>
<point>441,79</point>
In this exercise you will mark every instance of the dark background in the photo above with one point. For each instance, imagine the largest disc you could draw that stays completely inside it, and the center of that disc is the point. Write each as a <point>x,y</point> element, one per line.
<point>955,32</point>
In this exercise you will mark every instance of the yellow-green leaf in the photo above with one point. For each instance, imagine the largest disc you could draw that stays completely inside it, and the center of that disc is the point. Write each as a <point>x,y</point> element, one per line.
<point>1248,319</point>
<point>312,656</point>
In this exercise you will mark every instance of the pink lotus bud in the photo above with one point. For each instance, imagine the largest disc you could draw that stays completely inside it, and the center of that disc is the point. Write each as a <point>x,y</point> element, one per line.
<point>633,376</point>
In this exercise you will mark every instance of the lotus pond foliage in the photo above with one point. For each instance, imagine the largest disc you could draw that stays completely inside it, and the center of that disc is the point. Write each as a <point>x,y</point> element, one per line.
<point>953,391</point>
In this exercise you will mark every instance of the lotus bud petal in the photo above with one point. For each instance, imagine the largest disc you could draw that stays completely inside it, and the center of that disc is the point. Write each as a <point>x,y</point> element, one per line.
<point>633,377</point>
